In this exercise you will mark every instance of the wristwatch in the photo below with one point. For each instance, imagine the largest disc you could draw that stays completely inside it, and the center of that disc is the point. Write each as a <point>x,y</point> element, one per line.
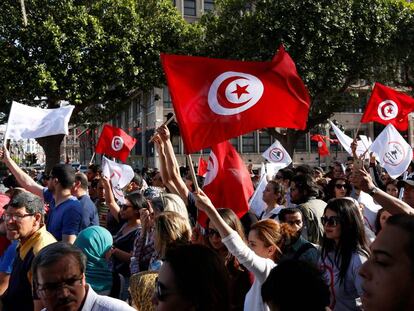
<point>373,191</point>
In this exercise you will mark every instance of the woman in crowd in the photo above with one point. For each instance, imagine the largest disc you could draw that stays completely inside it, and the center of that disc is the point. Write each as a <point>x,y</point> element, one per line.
<point>95,242</point>
<point>266,240</point>
<point>192,278</point>
<point>391,187</point>
<point>344,250</point>
<point>274,197</point>
<point>338,188</point>
<point>380,220</point>
<point>171,229</point>
<point>239,276</point>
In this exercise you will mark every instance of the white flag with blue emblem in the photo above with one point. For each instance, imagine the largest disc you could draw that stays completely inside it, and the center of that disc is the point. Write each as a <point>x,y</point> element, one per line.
<point>392,151</point>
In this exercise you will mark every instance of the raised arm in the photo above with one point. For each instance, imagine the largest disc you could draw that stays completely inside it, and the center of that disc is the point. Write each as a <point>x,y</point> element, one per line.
<point>114,208</point>
<point>362,179</point>
<point>23,179</point>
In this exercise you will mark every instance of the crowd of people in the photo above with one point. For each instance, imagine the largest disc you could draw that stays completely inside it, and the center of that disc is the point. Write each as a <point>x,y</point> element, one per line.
<point>333,239</point>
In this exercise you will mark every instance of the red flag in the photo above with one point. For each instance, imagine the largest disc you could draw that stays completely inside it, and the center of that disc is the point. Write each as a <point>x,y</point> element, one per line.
<point>227,183</point>
<point>114,142</point>
<point>202,167</point>
<point>322,148</point>
<point>216,99</point>
<point>387,106</point>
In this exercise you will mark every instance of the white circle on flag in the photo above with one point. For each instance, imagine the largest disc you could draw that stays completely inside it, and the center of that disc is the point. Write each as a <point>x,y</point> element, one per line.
<point>395,153</point>
<point>320,144</point>
<point>387,110</point>
<point>276,154</point>
<point>234,92</point>
<point>117,143</point>
<point>212,169</point>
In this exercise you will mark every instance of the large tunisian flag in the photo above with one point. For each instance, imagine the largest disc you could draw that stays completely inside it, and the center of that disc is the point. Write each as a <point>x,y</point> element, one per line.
<point>217,99</point>
<point>227,182</point>
<point>388,106</point>
<point>114,142</point>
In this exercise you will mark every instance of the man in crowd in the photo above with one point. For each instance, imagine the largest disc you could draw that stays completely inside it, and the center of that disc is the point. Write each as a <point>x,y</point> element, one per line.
<point>59,280</point>
<point>24,221</point>
<point>89,210</point>
<point>65,212</point>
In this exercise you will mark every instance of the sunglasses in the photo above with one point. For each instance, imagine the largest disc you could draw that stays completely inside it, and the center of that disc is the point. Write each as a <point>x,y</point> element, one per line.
<point>211,232</point>
<point>340,186</point>
<point>332,221</point>
<point>161,291</point>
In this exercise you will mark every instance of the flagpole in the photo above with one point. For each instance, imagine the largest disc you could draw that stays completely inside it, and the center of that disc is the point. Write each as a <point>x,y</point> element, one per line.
<point>92,158</point>
<point>165,123</point>
<point>192,172</point>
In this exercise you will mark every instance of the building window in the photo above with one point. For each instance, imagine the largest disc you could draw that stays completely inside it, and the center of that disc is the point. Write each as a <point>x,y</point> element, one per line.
<point>166,97</point>
<point>190,7</point>
<point>248,142</point>
<point>208,5</point>
<point>264,141</point>
<point>235,142</point>
<point>300,145</point>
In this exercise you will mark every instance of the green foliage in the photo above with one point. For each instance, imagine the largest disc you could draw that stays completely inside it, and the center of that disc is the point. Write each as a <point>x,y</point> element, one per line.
<point>94,54</point>
<point>30,158</point>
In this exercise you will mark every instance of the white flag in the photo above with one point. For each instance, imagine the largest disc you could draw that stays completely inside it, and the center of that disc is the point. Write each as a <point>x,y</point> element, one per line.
<point>119,174</point>
<point>32,122</point>
<point>393,152</point>
<point>346,141</point>
<point>256,203</point>
<point>278,155</point>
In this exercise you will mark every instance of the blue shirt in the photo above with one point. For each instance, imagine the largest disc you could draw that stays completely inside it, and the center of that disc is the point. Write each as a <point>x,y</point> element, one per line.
<point>6,261</point>
<point>64,219</point>
<point>89,212</point>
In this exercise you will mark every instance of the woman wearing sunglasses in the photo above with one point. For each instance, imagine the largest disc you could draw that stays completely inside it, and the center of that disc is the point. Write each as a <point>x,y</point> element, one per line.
<point>338,188</point>
<point>344,250</point>
<point>266,240</point>
<point>239,276</point>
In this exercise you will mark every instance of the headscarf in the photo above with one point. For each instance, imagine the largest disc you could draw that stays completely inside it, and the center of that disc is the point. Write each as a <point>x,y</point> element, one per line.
<point>94,242</point>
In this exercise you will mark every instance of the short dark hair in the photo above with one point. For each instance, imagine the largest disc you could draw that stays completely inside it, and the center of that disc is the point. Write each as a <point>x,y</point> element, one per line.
<point>406,223</point>
<point>94,168</point>
<point>137,200</point>
<point>287,173</point>
<point>195,262</point>
<point>81,177</point>
<point>306,186</point>
<point>288,211</point>
<point>31,202</point>
<point>65,174</point>
<point>53,253</point>
<point>278,291</point>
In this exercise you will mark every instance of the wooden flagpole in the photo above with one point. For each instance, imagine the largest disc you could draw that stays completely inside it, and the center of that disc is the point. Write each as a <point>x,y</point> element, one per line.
<point>165,123</point>
<point>192,172</point>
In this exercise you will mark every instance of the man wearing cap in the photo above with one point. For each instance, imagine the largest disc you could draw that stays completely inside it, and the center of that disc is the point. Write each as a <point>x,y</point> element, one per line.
<point>24,222</point>
<point>65,211</point>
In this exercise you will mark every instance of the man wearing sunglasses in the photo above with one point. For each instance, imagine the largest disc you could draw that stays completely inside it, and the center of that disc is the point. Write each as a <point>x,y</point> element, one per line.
<point>24,222</point>
<point>59,280</point>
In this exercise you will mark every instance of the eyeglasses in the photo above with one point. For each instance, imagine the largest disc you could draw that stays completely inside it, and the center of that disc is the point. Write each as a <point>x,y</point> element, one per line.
<point>211,232</point>
<point>340,186</point>
<point>161,291</point>
<point>15,217</point>
<point>50,289</point>
<point>125,206</point>
<point>332,221</point>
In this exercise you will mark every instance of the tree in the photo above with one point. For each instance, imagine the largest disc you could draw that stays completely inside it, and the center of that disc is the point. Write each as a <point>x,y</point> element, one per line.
<point>335,44</point>
<point>30,158</point>
<point>97,55</point>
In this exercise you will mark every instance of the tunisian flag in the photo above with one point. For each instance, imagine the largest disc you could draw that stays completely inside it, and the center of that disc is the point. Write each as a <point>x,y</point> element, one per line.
<point>202,167</point>
<point>227,182</point>
<point>217,99</point>
<point>387,106</point>
<point>322,148</point>
<point>114,142</point>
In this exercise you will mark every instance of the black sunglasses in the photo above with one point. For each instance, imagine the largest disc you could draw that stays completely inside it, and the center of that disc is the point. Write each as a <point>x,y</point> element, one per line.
<point>340,186</point>
<point>332,221</point>
<point>212,232</point>
<point>161,292</point>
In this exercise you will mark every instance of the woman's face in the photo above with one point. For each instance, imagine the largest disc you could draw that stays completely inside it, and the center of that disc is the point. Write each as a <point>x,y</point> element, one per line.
<point>214,237</point>
<point>166,295</point>
<point>392,190</point>
<point>127,211</point>
<point>340,188</point>
<point>259,247</point>
<point>268,194</point>
<point>332,225</point>
<point>383,218</point>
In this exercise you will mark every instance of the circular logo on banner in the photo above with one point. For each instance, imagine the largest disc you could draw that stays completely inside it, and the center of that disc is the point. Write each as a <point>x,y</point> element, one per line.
<point>276,155</point>
<point>320,144</point>
<point>117,143</point>
<point>212,169</point>
<point>395,153</point>
<point>234,92</point>
<point>387,110</point>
